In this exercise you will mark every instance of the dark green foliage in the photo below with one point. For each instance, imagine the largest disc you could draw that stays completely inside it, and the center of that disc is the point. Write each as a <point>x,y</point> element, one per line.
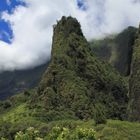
<point>125,42</point>
<point>117,49</point>
<point>75,78</point>
<point>7,104</point>
<point>76,86</point>
<point>72,26</point>
<point>100,114</point>
<point>134,83</point>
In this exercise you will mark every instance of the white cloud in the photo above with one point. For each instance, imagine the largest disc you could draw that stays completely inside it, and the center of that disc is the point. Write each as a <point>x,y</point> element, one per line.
<point>32,26</point>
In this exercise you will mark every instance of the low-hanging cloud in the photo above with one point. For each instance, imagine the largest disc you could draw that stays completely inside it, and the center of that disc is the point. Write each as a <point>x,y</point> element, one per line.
<point>32,26</point>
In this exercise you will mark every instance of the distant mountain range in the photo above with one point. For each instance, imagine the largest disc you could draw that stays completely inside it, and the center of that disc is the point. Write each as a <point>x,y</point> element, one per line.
<point>13,82</point>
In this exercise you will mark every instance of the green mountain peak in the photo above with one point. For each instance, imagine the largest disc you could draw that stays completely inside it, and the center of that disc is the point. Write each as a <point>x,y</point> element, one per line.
<point>76,83</point>
<point>76,86</point>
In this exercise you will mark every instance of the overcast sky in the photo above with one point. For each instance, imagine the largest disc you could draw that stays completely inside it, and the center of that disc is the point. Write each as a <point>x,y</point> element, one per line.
<point>26,25</point>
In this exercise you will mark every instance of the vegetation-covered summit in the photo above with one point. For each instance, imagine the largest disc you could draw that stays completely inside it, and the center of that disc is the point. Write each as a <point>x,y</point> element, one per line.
<point>77,84</point>
<point>77,92</point>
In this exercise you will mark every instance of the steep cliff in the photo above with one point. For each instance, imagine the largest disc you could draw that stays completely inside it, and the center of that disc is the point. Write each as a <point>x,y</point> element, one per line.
<point>116,49</point>
<point>77,84</point>
<point>134,83</point>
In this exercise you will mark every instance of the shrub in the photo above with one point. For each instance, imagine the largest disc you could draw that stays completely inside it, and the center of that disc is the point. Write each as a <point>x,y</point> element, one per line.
<point>7,104</point>
<point>57,133</point>
<point>77,134</point>
<point>99,114</point>
<point>30,134</point>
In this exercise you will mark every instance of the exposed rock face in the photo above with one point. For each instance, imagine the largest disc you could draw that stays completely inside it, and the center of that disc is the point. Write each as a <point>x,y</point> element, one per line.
<point>76,82</point>
<point>124,46</point>
<point>134,84</point>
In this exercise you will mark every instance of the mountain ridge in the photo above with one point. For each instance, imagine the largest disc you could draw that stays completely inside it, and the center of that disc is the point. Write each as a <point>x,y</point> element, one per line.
<point>134,82</point>
<point>117,50</point>
<point>76,90</point>
<point>75,73</point>
<point>14,82</point>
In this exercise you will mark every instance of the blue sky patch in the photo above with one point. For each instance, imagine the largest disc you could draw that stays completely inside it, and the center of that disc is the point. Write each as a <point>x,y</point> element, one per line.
<point>81,4</point>
<point>4,6</point>
<point>6,33</point>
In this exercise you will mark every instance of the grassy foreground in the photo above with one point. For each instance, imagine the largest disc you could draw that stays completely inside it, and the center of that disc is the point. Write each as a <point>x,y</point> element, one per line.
<point>19,118</point>
<point>118,130</point>
<point>112,130</point>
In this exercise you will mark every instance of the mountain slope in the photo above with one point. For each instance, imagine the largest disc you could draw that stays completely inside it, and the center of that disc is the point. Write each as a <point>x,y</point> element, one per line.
<point>14,82</point>
<point>134,83</point>
<point>116,49</point>
<point>76,83</point>
<point>76,86</point>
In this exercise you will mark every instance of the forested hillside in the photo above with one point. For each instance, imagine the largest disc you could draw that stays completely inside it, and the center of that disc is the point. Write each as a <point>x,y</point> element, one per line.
<point>134,83</point>
<point>80,96</point>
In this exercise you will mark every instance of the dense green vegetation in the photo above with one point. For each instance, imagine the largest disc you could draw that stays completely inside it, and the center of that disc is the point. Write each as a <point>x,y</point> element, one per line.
<point>76,98</point>
<point>80,130</point>
<point>76,83</point>
<point>57,133</point>
<point>134,105</point>
<point>116,49</point>
<point>120,130</point>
